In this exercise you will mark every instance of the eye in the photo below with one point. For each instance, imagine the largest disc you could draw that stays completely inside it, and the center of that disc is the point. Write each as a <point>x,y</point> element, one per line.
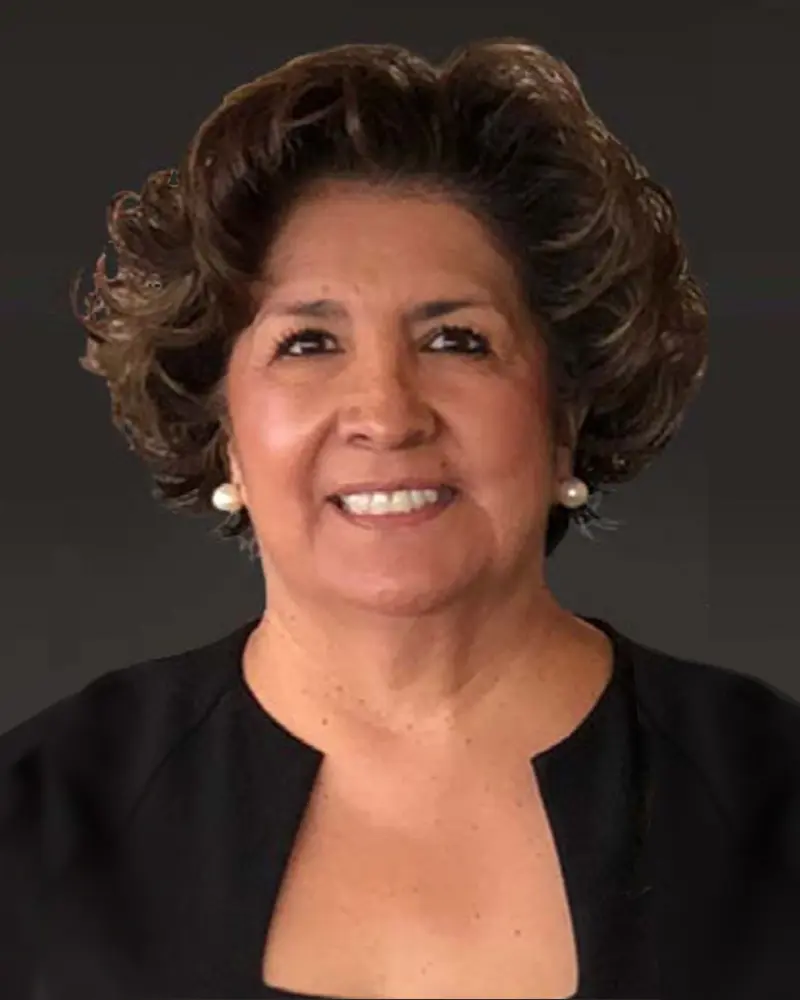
<point>462,339</point>
<point>298,343</point>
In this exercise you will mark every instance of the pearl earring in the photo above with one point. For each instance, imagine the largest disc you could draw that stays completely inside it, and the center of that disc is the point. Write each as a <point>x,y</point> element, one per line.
<point>573,493</point>
<point>226,497</point>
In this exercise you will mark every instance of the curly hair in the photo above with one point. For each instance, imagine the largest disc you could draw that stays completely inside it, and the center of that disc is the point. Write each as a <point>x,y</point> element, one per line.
<point>501,127</point>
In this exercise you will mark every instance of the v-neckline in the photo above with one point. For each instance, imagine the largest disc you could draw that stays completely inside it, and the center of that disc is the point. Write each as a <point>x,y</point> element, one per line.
<point>596,770</point>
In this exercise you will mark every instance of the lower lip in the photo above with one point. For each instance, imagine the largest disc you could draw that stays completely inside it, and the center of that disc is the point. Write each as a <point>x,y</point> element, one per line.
<point>405,520</point>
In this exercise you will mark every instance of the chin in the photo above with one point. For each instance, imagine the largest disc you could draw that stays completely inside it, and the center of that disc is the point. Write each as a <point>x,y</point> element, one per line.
<point>395,597</point>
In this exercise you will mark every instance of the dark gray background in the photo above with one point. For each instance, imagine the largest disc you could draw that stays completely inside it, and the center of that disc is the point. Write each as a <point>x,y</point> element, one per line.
<point>94,575</point>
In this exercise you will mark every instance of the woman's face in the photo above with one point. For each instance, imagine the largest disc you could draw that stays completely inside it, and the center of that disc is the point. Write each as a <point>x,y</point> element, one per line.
<point>392,352</point>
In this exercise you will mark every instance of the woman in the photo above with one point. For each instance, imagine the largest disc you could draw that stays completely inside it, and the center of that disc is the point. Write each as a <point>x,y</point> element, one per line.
<point>401,324</point>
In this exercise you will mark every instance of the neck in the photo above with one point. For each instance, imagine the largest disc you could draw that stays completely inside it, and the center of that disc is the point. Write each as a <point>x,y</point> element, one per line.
<point>444,674</point>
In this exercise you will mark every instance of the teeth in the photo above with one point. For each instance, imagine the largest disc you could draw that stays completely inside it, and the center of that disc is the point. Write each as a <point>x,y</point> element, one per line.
<point>399,502</point>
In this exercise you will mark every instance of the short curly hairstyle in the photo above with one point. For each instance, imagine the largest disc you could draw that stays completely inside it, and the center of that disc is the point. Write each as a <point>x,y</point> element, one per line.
<point>501,127</point>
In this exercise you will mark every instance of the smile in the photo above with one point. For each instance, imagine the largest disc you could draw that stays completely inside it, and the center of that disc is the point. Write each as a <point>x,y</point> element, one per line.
<point>404,505</point>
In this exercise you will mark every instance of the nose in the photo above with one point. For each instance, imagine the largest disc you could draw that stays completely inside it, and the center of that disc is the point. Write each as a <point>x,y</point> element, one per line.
<point>385,405</point>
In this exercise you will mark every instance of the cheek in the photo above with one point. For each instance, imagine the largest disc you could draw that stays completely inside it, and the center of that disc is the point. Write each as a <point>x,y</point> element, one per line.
<point>509,428</point>
<point>276,431</point>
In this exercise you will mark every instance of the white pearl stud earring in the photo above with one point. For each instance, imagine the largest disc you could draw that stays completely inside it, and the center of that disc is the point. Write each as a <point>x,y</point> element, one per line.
<point>573,493</point>
<point>226,497</point>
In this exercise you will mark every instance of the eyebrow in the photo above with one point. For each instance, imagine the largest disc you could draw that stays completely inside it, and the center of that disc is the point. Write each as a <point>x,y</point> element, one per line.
<point>331,309</point>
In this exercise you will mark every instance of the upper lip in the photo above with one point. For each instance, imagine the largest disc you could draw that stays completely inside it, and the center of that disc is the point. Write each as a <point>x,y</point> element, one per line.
<point>391,486</point>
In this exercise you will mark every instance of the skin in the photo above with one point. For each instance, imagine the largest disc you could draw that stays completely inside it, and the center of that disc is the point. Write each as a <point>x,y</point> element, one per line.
<point>432,637</point>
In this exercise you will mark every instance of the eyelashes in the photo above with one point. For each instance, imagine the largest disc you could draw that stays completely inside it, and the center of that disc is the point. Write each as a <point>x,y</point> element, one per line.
<point>295,344</point>
<point>478,343</point>
<point>310,342</point>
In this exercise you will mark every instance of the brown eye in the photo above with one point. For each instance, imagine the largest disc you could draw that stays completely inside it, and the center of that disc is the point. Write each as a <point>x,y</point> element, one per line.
<point>462,339</point>
<point>304,342</point>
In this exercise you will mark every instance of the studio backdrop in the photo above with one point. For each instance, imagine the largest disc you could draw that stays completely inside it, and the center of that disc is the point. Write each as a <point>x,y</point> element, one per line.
<point>95,575</point>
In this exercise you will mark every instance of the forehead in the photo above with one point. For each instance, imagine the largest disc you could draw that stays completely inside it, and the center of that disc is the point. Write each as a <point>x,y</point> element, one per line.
<point>346,233</point>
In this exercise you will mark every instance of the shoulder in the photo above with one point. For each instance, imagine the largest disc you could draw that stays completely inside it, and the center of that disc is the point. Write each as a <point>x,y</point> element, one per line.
<point>71,775</point>
<point>141,698</point>
<point>86,757</point>
<point>733,736</point>
<point>714,709</point>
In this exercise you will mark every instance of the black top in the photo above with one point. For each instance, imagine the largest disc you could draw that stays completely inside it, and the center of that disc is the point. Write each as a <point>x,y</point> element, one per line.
<point>146,823</point>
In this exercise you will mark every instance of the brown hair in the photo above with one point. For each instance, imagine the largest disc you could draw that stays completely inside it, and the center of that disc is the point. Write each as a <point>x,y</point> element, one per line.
<point>500,126</point>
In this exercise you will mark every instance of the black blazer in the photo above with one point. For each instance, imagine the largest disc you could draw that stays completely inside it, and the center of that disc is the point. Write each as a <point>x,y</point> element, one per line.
<point>146,822</point>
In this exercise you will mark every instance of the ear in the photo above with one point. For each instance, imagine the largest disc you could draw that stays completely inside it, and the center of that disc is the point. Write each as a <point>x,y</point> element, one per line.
<point>235,470</point>
<point>568,425</point>
<point>563,462</point>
